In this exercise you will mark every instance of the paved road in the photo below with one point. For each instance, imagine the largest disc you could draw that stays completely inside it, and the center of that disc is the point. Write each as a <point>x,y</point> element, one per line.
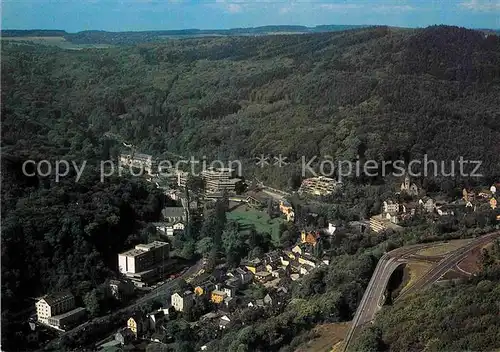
<point>448,263</point>
<point>162,290</point>
<point>371,302</point>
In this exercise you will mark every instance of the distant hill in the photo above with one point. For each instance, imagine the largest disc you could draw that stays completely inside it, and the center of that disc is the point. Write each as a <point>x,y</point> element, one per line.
<point>32,33</point>
<point>135,37</point>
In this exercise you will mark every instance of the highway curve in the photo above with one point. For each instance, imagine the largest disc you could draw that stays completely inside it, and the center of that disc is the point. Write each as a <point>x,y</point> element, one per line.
<point>371,302</point>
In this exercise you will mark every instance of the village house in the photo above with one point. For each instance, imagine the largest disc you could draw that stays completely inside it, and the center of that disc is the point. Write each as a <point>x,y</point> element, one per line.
<point>272,257</point>
<point>445,210</point>
<point>331,229</point>
<point>230,303</point>
<point>225,322</point>
<point>395,212</point>
<point>210,316</point>
<point>427,203</point>
<point>255,200</point>
<point>174,214</point>
<point>154,318</point>
<point>120,289</point>
<point>244,275</point>
<point>204,289</point>
<point>308,259</point>
<point>304,269</point>
<point>360,226</point>
<point>228,290</point>
<point>263,276</point>
<point>217,296</point>
<point>254,265</point>
<point>287,210</point>
<point>468,195</point>
<point>493,203</point>
<point>169,229</point>
<point>279,273</point>
<point>268,300</point>
<point>311,238</point>
<point>182,301</point>
<point>124,336</point>
<point>302,248</point>
<point>138,324</point>
<point>379,223</point>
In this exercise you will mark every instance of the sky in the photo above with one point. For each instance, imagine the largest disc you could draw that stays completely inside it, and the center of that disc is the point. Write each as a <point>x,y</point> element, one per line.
<point>136,15</point>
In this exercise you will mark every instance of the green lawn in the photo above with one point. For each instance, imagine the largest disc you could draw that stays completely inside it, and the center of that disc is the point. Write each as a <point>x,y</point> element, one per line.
<point>248,216</point>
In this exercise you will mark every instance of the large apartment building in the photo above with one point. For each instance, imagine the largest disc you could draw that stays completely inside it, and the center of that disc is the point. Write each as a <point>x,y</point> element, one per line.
<point>216,179</point>
<point>318,186</point>
<point>143,257</point>
<point>140,161</point>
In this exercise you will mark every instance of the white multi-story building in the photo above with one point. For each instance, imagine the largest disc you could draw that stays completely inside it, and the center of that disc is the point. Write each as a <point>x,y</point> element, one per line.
<point>58,310</point>
<point>143,257</point>
<point>218,180</point>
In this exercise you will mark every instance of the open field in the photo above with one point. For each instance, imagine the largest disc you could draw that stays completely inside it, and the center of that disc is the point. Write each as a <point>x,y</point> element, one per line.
<point>472,264</point>
<point>246,215</point>
<point>415,271</point>
<point>452,275</point>
<point>442,249</point>
<point>329,335</point>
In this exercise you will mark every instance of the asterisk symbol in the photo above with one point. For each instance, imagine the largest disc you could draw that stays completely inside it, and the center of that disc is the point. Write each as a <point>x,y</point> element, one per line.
<point>262,161</point>
<point>280,160</point>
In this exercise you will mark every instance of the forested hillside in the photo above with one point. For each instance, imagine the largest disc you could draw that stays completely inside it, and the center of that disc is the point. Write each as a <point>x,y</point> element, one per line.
<point>379,92</point>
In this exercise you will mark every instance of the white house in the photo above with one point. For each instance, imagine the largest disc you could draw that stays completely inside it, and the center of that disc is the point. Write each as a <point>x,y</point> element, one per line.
<point>182,301</point>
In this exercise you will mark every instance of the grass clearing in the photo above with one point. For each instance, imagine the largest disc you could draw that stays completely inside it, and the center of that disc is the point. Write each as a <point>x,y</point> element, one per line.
<point>247,216</point>
<point>416,271</point>
<point>444,248</point>
<point>329,337</point>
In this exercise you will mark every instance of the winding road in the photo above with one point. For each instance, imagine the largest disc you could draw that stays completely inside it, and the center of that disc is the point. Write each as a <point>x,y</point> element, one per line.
<point>372,300</point>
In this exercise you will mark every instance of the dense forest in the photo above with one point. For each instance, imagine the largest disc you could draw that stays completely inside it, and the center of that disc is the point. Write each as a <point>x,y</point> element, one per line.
<point>379,93</point>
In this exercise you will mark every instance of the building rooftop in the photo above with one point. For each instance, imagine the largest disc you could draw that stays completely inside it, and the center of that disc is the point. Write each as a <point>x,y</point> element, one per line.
<point>142,156</point>
<point>67,314</point>
<point>133,252</point>
<point>219,293</point>
<point>143,248</point>
<point>148,246</point>
<point>218,170</point>
<point>170,212</point>
<point>262,273</point>
<point>184,294</point>
<point>55,298</point>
